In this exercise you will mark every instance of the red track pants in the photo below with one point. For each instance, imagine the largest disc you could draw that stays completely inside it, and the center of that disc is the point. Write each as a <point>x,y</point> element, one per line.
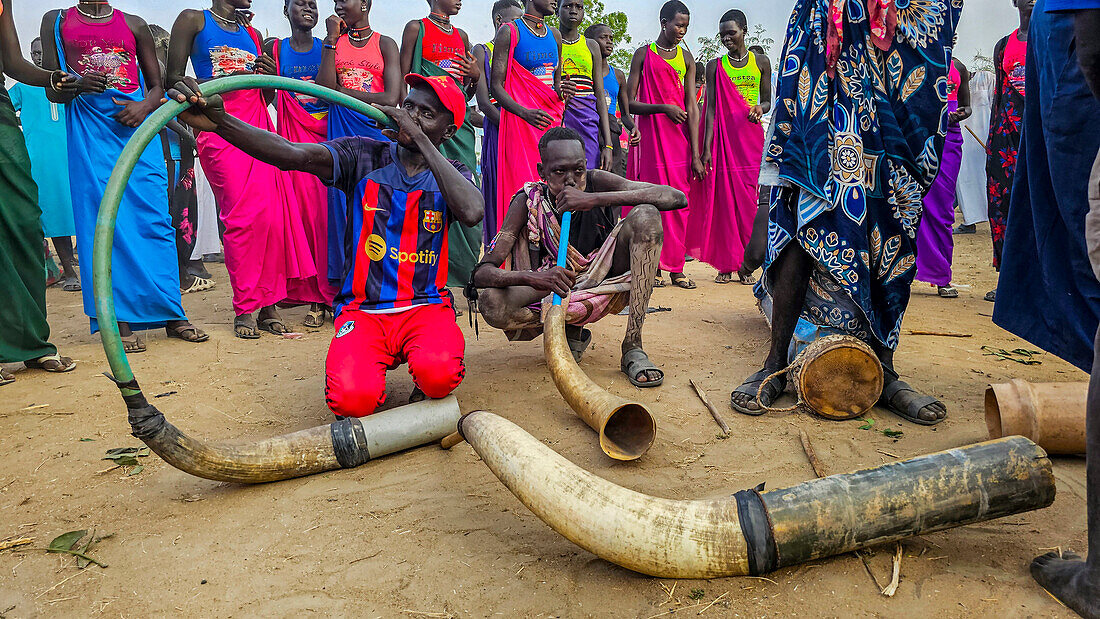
<point>367,345</point>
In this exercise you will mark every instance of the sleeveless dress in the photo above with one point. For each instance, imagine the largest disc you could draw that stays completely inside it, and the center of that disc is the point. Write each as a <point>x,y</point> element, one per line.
<point>302,118</point>
<point>1003,145</point>
<point>146,283</point>
<point>491,133</point>
<point>529,79</point>
<point>935,242</point>
<point>434,54</point>
<point>43,124</point>
<point>357,68</point>
<point>581,113</point>
<point>265,242</point>
<point>721,220</point>
<point>664,155</point>
<point>22,273</point>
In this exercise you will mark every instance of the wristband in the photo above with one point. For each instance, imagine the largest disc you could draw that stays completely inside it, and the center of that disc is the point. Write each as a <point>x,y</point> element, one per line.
<point>608,146</point>
<point>328,46</point>
<point>59,74</point>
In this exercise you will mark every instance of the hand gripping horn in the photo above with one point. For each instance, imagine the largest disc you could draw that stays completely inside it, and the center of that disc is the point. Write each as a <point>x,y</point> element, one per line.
<point>346,443</point>
<point>754,531</point>
<point>626,428</point>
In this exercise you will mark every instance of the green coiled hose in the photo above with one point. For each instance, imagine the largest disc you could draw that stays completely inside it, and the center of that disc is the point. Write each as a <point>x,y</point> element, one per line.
<point>108,208</point>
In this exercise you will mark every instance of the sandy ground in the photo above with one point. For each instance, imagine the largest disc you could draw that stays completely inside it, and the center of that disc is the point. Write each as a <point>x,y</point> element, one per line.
<point>430,533</point>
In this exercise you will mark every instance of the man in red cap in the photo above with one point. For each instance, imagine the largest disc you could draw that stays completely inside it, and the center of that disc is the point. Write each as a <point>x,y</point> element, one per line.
<point>393,306</point>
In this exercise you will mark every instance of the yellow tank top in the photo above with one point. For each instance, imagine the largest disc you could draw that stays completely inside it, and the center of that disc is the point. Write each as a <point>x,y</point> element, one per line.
<point>677,61</point>
<point>746,79</point>
<point>577,64</point>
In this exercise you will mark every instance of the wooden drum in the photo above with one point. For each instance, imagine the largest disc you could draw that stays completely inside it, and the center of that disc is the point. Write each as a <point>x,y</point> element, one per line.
<point>837,377</point>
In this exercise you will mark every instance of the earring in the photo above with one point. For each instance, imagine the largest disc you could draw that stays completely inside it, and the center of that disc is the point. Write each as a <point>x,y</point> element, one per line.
<point>364,8</point>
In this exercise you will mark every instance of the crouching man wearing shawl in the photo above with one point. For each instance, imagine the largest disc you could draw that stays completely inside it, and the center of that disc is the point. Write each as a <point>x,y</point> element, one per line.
<point>860,119</point>
<point>619,272</point>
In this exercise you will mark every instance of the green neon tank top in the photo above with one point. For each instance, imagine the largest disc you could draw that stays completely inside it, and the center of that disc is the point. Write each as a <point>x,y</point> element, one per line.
<point>577,64</point>
<point>746,79</point>
<point>677,61</point>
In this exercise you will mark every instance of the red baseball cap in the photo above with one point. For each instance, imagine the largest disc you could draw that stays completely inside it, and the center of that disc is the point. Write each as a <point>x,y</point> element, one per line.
<point>448,92</point>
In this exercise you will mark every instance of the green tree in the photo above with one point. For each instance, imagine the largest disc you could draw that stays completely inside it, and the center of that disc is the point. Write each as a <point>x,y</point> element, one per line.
<point>596,13</point>
<point>982,62</point>
<point>759,36</point>
<point>711,47</point>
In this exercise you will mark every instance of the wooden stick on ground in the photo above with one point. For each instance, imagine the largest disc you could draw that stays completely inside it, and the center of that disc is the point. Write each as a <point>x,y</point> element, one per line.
<point>940,333</point>
<point>451,440</point>
<point>710,407</point>
<point>819,469</point>
<point>895,579</point>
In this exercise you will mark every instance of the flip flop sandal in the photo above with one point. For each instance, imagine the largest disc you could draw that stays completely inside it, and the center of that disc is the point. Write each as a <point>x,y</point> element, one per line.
<point>724,278</point>
<point>268,324</point>
<point>578,346</point>
<point>198,285</point>
<point>635,362</point>
<point>56,363</point>
<point>250,334</point>
<point>6,377</point>
<point>178,333</point>
<point>133,344</point>
<point>947,292</point>
<point>907,407</point>
<point>659,283</point>
<point>315,319</point>
<point>991,296</point>
<point>683,282</point>
<point>767,396</point>
<point>71,285</point>
<point>746,280</point>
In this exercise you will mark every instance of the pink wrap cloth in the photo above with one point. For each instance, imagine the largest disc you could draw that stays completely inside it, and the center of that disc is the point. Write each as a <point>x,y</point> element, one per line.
<point>298,125</point>
<point>883,17</point>
<point>266,246</point>
<point>664,155</point>
<point>518,146</point>
<point>720,221</point>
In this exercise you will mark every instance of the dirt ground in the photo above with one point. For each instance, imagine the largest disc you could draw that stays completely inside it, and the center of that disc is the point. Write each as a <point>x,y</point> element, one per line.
<point>431,533</point>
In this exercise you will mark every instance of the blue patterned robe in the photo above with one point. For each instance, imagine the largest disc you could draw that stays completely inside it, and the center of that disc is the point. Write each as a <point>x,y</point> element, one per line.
<point>856,153</point>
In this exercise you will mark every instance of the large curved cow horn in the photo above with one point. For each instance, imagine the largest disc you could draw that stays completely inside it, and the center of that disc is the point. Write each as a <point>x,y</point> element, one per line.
<point>626,428</point>
<point>344,444</point>
<point>753,532</point>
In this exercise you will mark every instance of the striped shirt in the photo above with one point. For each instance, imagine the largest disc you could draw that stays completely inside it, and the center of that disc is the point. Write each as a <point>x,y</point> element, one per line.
<point>396,239</point>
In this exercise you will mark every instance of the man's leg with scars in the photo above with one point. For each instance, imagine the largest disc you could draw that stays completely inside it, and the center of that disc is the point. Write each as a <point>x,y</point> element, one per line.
<point>433,345</point>
<point>638,250</point>
<point>355,369</point>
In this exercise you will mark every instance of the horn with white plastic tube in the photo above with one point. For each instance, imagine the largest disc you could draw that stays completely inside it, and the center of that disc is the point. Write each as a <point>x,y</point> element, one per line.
<point>344,444</point>
<point>754,532</point>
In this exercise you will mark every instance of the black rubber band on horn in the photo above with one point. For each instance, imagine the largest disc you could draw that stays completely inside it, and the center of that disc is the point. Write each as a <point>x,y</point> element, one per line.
<point>756,526</point>
<point>146,422</point>
<point>349,442</point>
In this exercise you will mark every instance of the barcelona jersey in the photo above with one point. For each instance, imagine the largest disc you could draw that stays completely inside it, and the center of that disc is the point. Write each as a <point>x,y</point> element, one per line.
<point>395,244</point>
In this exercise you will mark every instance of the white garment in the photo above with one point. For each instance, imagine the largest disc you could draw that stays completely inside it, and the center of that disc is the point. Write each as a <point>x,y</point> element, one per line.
<point>207,240</point>
<point>971,188</point>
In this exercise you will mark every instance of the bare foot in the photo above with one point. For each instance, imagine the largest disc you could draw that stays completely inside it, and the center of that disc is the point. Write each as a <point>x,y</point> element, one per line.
<point>1068,579</point>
